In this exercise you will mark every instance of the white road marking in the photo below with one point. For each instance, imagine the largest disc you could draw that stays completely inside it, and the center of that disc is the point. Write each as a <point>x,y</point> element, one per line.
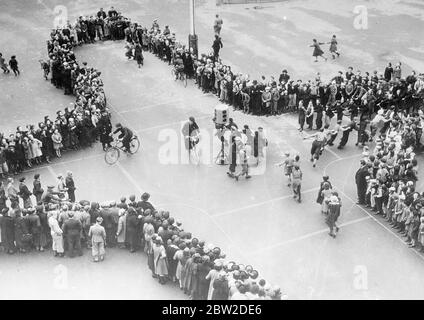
<point>381,224</point>
<point>337,160</point>
<point>122,117</point>
<point>63,162</point>
<point>129,177</point>
<point>261,203</point>
<point>172,123</point>
<point>52,172</point>
<point>333,153</point>
<point>306,236</point>
<point>173,100</point>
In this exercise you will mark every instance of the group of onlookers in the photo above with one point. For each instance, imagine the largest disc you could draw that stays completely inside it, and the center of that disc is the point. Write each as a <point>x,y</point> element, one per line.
<point>56,220</point>
<point>387,178</point>
<point>77,126</point>
<point>356,93</point>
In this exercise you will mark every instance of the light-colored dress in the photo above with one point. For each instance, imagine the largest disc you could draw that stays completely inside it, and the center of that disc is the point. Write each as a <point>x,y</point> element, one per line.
<point>159,256</point>
<point>122,226</point>
<point>36,145</point>
<point>178,256</point>
<point>212,275</point>
<point>56,234</point>
<point>57,141</point>
<point>326,196</point>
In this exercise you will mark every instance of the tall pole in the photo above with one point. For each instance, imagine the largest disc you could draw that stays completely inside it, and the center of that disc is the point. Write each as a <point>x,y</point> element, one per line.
<point>191,8</point>
<point>192,37</point>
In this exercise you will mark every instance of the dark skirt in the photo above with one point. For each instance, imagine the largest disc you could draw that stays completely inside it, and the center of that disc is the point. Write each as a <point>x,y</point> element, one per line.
<point>151,262</point>
<point>317,52</point>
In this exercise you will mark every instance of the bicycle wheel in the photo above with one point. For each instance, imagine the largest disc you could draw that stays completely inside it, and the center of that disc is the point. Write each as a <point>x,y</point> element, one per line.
<point>184,79</point>
<point>194,157</point>
<point>134,145</point>
<point>112,155</point>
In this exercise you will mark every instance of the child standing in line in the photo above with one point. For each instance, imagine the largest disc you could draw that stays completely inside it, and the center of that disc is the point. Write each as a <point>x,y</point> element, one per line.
<point>421,234</point>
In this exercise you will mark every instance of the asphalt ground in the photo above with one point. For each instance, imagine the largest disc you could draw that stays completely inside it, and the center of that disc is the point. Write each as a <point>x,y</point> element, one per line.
<point>256,221</point>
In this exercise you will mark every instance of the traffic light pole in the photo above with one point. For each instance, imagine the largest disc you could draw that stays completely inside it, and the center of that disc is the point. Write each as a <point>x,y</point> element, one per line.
<point>192,37</point>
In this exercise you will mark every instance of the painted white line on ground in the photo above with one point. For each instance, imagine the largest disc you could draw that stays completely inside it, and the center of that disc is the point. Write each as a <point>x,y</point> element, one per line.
<point>63,162</point>
<point>306,236</point>
<point>52,172</point>
<point>381,224</point>
<point>129,177</point>
<point>173,100</point>
<point>337,160</point>
<point>211,217</point>
<point>261,203</point>
<point>120,115</point>
<point>333,153</point>
<point>172,123</point>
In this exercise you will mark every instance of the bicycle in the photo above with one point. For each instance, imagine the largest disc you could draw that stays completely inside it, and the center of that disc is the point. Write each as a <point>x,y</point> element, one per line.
<point>114,151</point>
<point>179,75</point>
<point>193,153</point>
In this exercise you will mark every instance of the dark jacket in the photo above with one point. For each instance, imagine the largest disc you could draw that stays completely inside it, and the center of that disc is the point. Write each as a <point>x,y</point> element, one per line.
<point>72,227</point>
<point>23,191</point>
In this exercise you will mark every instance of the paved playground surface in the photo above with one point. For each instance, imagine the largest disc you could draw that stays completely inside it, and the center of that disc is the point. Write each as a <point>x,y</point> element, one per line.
<point>255,222</point>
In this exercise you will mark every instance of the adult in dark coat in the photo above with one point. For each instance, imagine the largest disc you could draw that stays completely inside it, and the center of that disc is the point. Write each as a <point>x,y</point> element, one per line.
<point>104,127</point>
<point>361,182</point>
<point>34,228</point>
<point>70,185</point>
<point>388,72</point>
<point>37,189</point>
<point>7,226</point>
<point>255,98</point>
<point>144,204</point>
<point>216,46</point>
<point>72,232</point>
<point>132,229</point>
<point>3,197</point>
<point>220,286</point>
<point>138,54</point>
<point>108,224</point>
<point>319,110</point>
<point>114,211</point>
<point>202,283</point>
<point>45,235</point>
<point>25,193</point>
<point>94,212</point>
<point>47,144</point>
<point>233,158</point>
<point>22,237</point>
<point>171,249</point>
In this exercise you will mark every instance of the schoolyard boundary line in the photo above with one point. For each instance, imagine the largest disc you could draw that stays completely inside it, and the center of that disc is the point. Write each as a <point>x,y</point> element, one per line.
<point>53,164</point>
<point>306,236</point>
<point>379,223</point>
<point>174,100</point>
<point>261,203</point>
